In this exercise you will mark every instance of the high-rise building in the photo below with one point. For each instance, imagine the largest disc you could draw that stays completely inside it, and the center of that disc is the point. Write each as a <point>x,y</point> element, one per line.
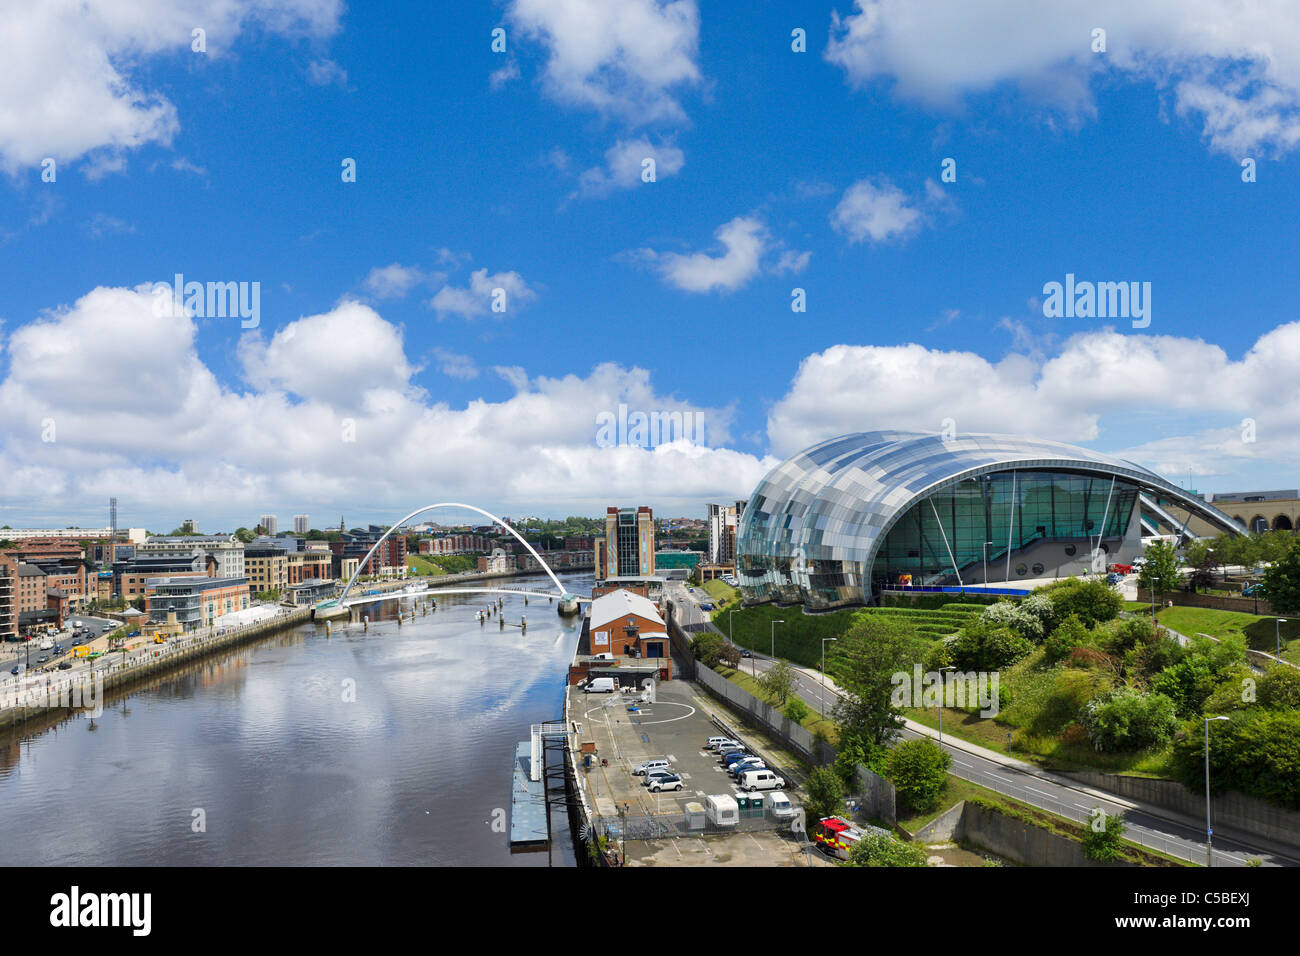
<point>301,524</point>
<point>190,526</point>
<point>723,522</point>
<point>268,522</point>
<point>627,548</point>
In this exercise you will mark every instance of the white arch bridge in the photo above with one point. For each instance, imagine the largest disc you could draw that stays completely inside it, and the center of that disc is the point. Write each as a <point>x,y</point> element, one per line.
<point>341,605</point>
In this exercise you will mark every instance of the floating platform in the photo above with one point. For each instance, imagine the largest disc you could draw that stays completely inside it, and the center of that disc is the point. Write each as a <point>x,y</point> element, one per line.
<point>528,818</point>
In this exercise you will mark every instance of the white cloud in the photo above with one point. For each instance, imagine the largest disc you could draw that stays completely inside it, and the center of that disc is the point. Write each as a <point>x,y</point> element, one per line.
<point>623,166</point>
<point>625,59</point>
<point>477,299</point>
<point>876,210</point>
<point>70,84</point>
<point>181,441</point>
<point>792,262</point>
<point>326,72</point>
<point>1237,66</point>
<point>393,281</point>
<point>454,365</point>
<point>1098,386</point>
<point>505,74</point>
<point>334,358</point>
<point>744,240</point>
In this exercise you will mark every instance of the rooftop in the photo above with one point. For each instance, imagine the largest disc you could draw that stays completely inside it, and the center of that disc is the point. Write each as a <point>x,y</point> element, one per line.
<point>620,603</point>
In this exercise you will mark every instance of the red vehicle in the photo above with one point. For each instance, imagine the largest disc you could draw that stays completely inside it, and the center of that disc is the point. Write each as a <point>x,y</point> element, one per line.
<point>836,836</point>
<point>1121,568</point>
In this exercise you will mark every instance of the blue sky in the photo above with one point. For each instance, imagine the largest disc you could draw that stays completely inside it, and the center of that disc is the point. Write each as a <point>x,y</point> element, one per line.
<point>923,297</point>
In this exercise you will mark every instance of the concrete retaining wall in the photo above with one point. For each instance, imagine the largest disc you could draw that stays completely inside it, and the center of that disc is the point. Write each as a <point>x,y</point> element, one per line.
<point>1235,814</point>
<point>143,664</point>
<point>943,829</point>
<point>1020,842</point>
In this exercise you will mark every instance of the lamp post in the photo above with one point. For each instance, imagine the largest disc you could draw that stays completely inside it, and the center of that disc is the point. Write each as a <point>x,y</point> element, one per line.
<point>1277,628</point>
<point>985,550</point>
<point>1209,830</point>
<point>824,640</point>
<point>943,687</point>
<point>774,624</point>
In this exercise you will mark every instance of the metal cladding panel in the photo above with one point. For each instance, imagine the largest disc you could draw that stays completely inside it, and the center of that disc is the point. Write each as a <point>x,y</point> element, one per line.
<point>823,513</point>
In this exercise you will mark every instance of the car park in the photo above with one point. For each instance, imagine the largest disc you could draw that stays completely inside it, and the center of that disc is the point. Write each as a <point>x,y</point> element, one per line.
<point>667,781</point>
<point>649,767</point>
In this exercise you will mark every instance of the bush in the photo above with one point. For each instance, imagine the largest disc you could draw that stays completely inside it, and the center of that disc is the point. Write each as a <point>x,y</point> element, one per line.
<point>877,849</point>
<point>1068,635</point>
<point>1093,602</point>
<point>1104,840</point>
<point>1255,752</point>
<point>796,710</point>
<point>1013,616</point>
<point>984,646</point>
<point>1279,688</point>
<point>1126,719</point>
<point>919,771</point>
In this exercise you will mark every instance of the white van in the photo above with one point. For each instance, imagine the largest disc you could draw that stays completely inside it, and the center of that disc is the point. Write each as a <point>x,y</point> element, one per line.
<point>600,685</point>
<point>760,780</point>
<point>780,804</point>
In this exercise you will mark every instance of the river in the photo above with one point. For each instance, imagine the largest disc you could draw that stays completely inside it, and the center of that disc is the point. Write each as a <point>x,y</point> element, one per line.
<point>387,747</point>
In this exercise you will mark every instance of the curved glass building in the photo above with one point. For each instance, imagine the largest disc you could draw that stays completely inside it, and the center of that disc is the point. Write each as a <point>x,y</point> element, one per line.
<point>843,519</point>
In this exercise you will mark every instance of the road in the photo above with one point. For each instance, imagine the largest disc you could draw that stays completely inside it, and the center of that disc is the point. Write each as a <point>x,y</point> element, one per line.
<point>1146,825</point>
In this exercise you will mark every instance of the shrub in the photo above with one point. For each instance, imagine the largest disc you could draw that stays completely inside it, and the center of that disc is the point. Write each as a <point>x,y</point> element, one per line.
<point>1256,752</point>
<point>1279,688</point>
<point>877,849</point>
<point>1104,840</point>
<point>919,771</point>
<point>1126,719</point>
<point>983,646</point>
<point>796,710</point>
<point>1093,602</point>
<point>1013,616</point>
<point>1068,635</point>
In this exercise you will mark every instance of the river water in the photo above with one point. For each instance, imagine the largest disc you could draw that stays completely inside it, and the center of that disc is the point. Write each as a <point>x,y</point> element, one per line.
<point>254,757</point>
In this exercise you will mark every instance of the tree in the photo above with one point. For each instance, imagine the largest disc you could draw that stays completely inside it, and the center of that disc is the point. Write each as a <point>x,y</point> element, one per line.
<point>919,771</point>
<point>244,535</point>
<point>1279,688</point>
<point>872,652</point>
<point>1202,557</point>
<point>729,654</point>
<point>1069,634</point>
<point>707,648</point>
<point>1282,581</point>
<point>879,849</point>
<point>1159,573</point>
<point>777,683</point>
<point>825,795</point>
<point>1104,840</point>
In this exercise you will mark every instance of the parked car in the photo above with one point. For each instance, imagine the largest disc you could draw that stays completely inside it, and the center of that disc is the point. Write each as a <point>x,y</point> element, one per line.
<point>58,648</point>
<point>745,652</point>
<point>667,781</point>
<point>650,765</point>
<point>726,743</point>
<point>43,658</point>
<point>714,741</point>
<point>655,775</point>
<point>732,756</point>
<point>744,766</point>
<point>761,780</point>
<point>16,669</point>
<point>65,665</point>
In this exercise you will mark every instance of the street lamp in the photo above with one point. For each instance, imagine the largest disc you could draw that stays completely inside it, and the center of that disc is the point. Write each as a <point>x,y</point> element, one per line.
<point>985,550</point>
<point>824,640</point>
<point>943,687</point>
<point>1209,830</point>
<point>774,624</point>
<point>1277,628</point>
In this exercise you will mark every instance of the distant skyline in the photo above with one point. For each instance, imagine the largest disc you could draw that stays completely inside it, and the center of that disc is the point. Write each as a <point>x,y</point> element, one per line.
<point>453,263</point>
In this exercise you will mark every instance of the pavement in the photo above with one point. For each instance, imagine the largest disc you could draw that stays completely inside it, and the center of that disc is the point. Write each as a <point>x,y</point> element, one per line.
<point>1150,826</point>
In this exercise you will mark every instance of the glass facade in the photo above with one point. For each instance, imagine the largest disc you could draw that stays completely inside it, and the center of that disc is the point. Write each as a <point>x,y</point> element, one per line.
<point>842,519</point>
